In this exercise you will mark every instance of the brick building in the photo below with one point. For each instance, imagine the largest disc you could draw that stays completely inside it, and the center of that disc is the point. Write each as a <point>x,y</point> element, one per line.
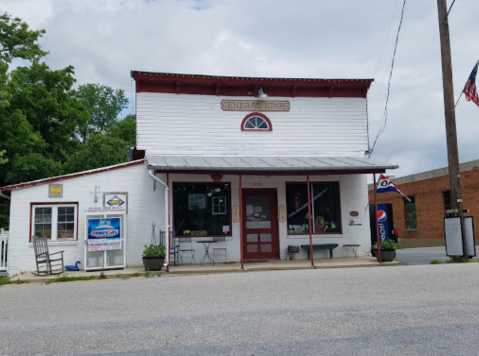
<point>421,222</point>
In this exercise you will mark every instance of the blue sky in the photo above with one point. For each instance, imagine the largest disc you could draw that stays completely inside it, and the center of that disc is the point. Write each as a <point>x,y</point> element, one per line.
<point>105,40</point>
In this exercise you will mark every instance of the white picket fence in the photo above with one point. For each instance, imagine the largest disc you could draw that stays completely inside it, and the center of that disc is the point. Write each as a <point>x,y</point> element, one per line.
<point>3,249</point>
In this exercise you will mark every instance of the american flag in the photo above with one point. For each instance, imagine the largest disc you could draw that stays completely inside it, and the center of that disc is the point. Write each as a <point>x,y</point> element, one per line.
<point>470,87</point>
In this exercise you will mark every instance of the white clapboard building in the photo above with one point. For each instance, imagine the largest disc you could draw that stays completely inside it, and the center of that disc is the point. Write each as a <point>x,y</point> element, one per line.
<point>263,163</point>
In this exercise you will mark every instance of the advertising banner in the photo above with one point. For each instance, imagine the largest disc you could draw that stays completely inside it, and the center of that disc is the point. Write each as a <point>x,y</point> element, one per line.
<point>104,234</point>
<point>383,223</point>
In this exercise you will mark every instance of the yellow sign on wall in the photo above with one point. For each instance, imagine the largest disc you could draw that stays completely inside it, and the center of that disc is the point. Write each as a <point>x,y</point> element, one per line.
<point>255,105</point>
<point>235,213</point>
<point>282,213</point>
<point>55,190</point>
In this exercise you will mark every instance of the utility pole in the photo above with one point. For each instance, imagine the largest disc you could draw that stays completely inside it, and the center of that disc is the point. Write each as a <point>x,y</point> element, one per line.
<point>450,114</point>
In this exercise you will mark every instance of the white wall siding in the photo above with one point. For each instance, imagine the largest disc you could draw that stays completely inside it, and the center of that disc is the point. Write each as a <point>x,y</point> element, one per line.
<point>145,206</point>
<point>172,124</point>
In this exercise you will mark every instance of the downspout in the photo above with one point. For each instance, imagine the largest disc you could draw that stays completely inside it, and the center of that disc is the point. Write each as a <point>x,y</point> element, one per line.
<point>5,196</point>
<point>167,222</point>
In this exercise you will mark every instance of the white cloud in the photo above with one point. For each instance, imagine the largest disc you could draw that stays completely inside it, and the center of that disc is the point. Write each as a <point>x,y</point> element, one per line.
<point>105,40</point>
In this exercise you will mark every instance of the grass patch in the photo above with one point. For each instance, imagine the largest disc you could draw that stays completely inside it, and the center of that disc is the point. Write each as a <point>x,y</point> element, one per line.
<point>436,262</point>
<point>147,274</point>
<point>4,280</point>
<point>396,264</point>
<point>102,275</point>
<point>136,274</point>
<point>459,260</point>
<point>67,278</point>
<point>7,280</point>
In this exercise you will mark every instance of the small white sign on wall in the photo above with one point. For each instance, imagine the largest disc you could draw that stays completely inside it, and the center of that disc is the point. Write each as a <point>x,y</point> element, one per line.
<point>355,222</point>
<point>116,200</point>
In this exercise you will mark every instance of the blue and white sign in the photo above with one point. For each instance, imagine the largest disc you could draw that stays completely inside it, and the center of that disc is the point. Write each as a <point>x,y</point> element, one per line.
<point>115,201</point>
<point>104,234</point>
<point>382,223</point>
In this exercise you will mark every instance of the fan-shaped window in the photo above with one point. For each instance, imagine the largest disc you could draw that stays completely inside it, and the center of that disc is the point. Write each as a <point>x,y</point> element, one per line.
<point>256,122</point>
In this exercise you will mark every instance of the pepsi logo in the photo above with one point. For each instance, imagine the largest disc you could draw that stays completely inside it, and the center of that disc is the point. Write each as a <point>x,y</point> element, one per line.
<point>382,216</point>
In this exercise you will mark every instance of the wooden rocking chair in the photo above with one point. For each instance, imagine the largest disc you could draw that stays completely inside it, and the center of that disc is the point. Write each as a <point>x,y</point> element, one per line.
<point>46,264</point>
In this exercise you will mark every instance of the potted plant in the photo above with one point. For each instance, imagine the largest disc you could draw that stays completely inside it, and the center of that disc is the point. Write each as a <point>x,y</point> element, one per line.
<point>388,251</point>
<point>153,257</point>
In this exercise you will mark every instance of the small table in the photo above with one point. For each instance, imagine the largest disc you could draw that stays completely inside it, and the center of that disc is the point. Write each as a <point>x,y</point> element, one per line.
<point>206,244</point>
<point>354,247</point>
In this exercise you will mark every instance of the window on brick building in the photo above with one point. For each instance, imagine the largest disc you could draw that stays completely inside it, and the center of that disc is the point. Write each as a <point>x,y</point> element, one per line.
<point>410,209</point>
<point>447,199</point>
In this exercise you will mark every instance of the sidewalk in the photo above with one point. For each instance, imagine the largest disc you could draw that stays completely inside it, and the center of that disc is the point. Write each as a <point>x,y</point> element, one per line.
<point>234,267</point>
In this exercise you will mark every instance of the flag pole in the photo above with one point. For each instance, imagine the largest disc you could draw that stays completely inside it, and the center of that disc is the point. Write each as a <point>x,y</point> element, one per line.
<point>460,96</point>
<point>376,218</point>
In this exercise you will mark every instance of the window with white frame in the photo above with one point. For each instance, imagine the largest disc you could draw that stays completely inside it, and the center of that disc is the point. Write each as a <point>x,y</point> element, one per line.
<point>219,205</point>
<point>256,122</point>
<point>55,222</point>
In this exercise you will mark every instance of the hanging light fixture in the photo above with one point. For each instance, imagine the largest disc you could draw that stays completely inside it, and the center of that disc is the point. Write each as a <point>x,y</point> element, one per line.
<point>262,94</point>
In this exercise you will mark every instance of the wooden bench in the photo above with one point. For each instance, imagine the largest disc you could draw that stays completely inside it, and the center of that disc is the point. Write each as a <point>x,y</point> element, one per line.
<point>329,247</point>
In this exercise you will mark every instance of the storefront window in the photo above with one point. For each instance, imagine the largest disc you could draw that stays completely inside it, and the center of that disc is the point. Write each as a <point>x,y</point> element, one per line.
<point>202,209</point>
<point>56,222</point>
<point>325,208</point>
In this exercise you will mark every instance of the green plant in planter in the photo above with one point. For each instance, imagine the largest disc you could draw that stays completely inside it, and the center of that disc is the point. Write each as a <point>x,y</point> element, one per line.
<point>388,251</point>
<point>154,251</point>
<point>153,257</point>
<point>385,245</point>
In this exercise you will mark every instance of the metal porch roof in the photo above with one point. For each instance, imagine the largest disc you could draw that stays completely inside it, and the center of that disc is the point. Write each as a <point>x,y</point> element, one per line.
<point>277,163</point>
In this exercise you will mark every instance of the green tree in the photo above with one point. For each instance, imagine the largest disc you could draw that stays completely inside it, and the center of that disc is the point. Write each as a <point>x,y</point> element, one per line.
<point>103,104</point>
<point>3,160</point>
<point>43,96</point>
<point>18,41</point>
<point>99,151</point>
<point>31,166</point>
<point>125,129</point>
<point>38,116</point>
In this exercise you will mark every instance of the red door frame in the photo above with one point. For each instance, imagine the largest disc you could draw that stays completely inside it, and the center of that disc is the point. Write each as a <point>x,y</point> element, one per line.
<point>273,195</point>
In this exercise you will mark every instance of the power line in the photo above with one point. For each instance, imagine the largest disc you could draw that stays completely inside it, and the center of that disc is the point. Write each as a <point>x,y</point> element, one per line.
<point>385,115</point>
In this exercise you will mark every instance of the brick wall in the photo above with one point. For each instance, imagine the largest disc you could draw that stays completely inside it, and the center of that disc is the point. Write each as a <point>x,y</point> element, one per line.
<point>430,210</point>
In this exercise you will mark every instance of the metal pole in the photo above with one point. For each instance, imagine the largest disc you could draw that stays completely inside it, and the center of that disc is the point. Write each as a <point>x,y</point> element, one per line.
<point>167,206</point>
<point>312,207</point>
<point>241,220</point>
<point>310,227</point>
<point>450,115</point>
<point>376,218</point>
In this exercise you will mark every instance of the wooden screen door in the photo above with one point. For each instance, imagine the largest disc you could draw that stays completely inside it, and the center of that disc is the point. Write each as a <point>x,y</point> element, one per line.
<point>260,224</point>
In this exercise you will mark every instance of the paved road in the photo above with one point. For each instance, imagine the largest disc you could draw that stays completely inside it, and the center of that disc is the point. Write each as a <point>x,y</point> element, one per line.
<point>422,255</point>
<point>396,310</point>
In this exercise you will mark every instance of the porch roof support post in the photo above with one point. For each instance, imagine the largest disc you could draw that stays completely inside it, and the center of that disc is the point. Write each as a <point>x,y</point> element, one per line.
<point>310,224</point>
<point>241,220</point>
<point>167,221</point>
<point>152,173</point>
<point>376,218</point>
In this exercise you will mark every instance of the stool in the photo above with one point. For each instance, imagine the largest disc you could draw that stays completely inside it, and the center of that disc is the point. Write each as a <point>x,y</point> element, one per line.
<point>354,248</point>
<point>290,256</point>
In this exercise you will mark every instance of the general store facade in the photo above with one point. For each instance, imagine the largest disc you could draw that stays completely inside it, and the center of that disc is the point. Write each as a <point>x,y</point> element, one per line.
<point>248,159</point>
